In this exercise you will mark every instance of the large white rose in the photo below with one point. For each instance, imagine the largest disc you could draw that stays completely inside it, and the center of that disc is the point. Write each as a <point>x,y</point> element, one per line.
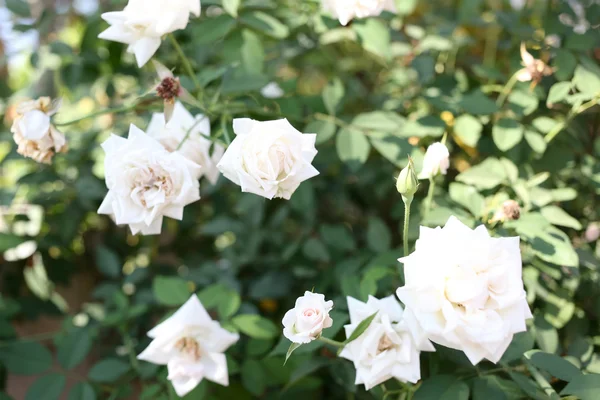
<point>346,10</point>
<point>142,23</point>
<point>196,147</point>
<point>192,346</point>
<point>146,182</point>
<point>464,290</point>
<point>33,132</point>
<point>305,322</point>
<point>269,158</point>
<point>436,161</point>
<point>386,349</point>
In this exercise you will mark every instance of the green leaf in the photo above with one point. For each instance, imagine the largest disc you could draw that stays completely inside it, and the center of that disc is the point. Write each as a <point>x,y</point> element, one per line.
<point>468,129</point>
<point>521,343</point>
<point>333,94</point>
<point>468,197</point>
<point>108,370</point>
<point>353,148</point>
<point>9,241</point>
<point>507,133</point>
<point>25,358</point>
<point>379,238</point>
<point>170,290</point>
<point>293,346</point>
<point>212,29</point>
<point>305,369</point>
<point>252,53</point>
<point>381,121</point>
<point>231,7</point>
<point>314,249</point>
<point>18,7</point>
<point>494,388</point>
<point>557,216</point>
<point>254,377</point>
<point>74,348</point>
<point>82,391</point>
<point>564,63</point>
<point>587,80</point>
<point>324,130</point>
<point>486,175</point>
<point>535,141</point>
<point>391,147</point>
<point>374,36</point>
<point>442,387</point>
<point>361,328</point>
<point>586,387</point>
<point>108,262</point>
<point>554,365</point>
<point>522,103</point>
<point>47,387</point>
<point>478,103</point>
<point>255,326</point>
<point>558,92</point>
<point>266,24</point>
<point>224,299</point>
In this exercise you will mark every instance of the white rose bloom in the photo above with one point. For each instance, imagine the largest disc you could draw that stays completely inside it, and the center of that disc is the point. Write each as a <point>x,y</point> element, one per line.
<point>346,10</point>
<point>464,290</point>
<point>192,346</point>
<point>146,182</point>
<point>436,161</point>
<point>386,349</point>
<point>196,147</point>
<point>142,23</point>
<point>269,158</point>
<point>33,132</point>
<point>272,91</point>
<point>305,322</point>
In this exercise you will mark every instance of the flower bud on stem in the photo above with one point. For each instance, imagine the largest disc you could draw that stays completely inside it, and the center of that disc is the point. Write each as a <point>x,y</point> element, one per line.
<point>407,185</point>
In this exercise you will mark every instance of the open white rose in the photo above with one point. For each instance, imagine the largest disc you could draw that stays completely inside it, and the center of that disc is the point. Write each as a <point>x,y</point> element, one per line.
<point>33,132</point>
<point>346,10</point>
<point>386,349</point>
<point>192,346</point>
<point>436,161</point>
<point>146,182</point>
<point>142,23</point>
<point>269,158</point>
<point>464,290</point>
<point>196,147</point>
<point>305,322</point>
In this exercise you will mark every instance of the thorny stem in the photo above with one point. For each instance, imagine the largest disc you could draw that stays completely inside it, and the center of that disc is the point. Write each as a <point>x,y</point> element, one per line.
<point>184,60</point>
<point>331,342</point>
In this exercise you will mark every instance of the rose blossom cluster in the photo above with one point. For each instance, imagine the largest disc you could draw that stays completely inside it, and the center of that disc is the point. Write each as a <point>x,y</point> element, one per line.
<point>464,290</point>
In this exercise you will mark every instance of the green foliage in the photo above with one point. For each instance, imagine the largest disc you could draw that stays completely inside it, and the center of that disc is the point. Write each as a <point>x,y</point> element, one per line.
<point>374,92</point>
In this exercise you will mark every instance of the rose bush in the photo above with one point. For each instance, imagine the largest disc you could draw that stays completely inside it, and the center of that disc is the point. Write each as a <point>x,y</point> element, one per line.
<point>327,140</point>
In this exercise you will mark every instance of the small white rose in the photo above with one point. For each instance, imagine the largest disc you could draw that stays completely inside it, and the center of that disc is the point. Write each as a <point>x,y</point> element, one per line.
<point>34,133</point>
<point>464,290</point>
<point>346,10</point>
<point>192,346</point>
<point>197,146</point>
<point>305,322</point>
<point>386,349</point>
<point>272,91</point>
<point>269,158</point>
<point>142,23</point>
<point>436,161</point>
<point>146,182</point>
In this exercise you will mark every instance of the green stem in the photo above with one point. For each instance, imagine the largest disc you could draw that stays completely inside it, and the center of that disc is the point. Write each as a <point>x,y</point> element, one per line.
<point>506,90</point>
<point>189,131</point>
<point>131,351</point>
<point>32,338</point>
<point>98,113</point>
<point>572,114</point>
<point>407,203</point>
<point>184,60</point>
<point>331,342</point>
<point>224,119</point>
<point>429,198</point>
<point>539,378</point>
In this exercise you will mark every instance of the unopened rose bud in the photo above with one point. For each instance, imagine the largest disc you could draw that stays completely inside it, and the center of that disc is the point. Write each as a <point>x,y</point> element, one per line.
<point>592,232</point>
<point>511,210</point>
<point>407,182</point>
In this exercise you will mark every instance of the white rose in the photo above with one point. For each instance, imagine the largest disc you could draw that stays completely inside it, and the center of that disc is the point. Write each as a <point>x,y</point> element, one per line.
<point>436,161</point>
<point>305,322</point>
<point>142,23</point>
<point>346,10</point>
<point>196,147</point>
<point>272,91</point>
<point>146,182</point>
<point>269,158</point>
<point>464,290</point>
<point>386,349</point>
<point>33,132</point>
<point>192,346</point>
